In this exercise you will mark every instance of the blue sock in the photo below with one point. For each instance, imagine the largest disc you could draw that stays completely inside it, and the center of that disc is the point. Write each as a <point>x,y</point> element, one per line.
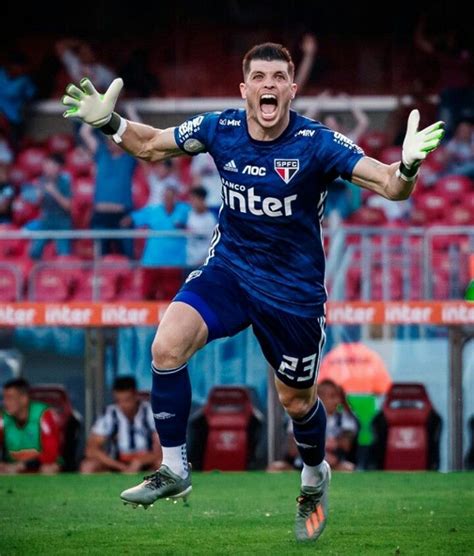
<point>310,434</point>
<point>171,404</point>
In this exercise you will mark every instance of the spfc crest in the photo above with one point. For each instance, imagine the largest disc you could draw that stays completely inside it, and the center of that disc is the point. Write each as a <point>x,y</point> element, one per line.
<point>286,168</point>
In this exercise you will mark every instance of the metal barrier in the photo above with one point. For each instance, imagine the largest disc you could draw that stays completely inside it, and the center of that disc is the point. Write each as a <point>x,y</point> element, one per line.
<point>416,260</point>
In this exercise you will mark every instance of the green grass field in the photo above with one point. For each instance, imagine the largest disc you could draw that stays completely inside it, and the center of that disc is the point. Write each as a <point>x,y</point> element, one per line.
<point>238,513</point>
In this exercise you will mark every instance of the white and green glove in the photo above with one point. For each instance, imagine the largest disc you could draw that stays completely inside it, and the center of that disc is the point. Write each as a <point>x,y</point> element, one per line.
<point>88,105</point>
<point>417,145</point>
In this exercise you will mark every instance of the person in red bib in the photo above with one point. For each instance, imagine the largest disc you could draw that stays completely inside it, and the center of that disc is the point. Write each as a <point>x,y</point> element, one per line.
<point>29,433</point>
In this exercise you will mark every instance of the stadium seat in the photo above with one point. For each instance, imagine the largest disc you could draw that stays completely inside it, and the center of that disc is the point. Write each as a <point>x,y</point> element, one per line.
<point>79,162</point>
<point>10,247</point>
<point>228,412</point>
<point>69,421</point>
<point>372,142</point>
<point>24,211</point>
<point>391,154</point>
<point>433,205</point>
<point>459,216</point>
<point>367,216</point>
<point>31,161</point>
<point>10,283</point>
<point>453,188</point>
<point>97,285</point>
<point>50,283</point>
<point>132,285</point>
<point>82,201</point>
<point>408,429</point>
<point>60,143</point>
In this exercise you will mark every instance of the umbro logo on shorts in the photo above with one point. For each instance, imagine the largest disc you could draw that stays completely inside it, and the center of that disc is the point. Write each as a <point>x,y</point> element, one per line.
<point>163,415</point>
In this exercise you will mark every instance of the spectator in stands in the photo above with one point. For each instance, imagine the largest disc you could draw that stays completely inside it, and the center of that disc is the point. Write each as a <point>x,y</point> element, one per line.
<point>161,251</point>
<point>204,173</point>
<point>29,434</point>
<point>448,48</point>
<point>341,429</point>
<point>123,438</point>
<point>7,195</point>
<point>54,190</point>
<point>201,223</point>
<point>460,150</point>
<point>17,89</point>
<point>309,48</point>
<point>113,187</point>
<point>80,60</point>
<point>159,175</point>
<point>140,81</point>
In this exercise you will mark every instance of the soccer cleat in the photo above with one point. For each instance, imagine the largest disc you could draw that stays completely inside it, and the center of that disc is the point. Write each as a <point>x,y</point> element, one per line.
<point>160,484</point>
<point>312,509</point>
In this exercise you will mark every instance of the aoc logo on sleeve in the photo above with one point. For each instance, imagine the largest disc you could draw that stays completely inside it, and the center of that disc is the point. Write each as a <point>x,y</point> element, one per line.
<point>286,168</point>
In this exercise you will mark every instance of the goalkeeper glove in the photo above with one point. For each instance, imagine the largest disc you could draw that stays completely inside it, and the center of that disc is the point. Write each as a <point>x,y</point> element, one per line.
<point>417,145</point>
<point>89,106</point>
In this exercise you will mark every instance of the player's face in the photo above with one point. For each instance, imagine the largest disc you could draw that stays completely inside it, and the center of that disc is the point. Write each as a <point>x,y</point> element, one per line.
<point>268,91</point>
<point>14,401</point>
<point>127,400</point>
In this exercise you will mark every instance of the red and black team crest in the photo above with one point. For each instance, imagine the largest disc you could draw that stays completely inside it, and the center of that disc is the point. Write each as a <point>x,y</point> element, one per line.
<point>286,168</point>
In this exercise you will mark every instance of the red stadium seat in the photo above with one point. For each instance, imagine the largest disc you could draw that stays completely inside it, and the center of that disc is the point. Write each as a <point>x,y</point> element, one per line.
<point>82,201</point>
<point>407,409</point>
<point>24,211</point>
<point>459,216</point>
<point>368,216</point>
<point>389,155</point>
<point>50,283</point>
<point>101,285</point>
<point>372,142</point>
<point>132,285</point>
<point>433,205</point>
<point>69,422</point>
<point>79,162</point>
<point>454,188</point>
<point>10,283</point>
<point>31,161</point>
<point>60,143</point>
<point>10,247</point>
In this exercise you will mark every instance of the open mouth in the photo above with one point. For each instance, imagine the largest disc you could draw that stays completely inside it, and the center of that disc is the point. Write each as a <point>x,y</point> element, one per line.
<point>268,106</point>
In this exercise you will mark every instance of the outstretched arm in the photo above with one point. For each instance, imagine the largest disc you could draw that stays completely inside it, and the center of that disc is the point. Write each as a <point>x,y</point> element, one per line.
<point>96,110</point>
<point>397,181</point>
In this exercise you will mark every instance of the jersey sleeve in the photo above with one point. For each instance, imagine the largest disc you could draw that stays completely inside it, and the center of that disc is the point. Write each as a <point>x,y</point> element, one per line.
<point>196,134</point>
<point>50,438</point>
<point>336,154</point>
<point>103,425</point>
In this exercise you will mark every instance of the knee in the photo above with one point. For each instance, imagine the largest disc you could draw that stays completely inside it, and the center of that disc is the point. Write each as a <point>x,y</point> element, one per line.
<point>88,466</point>
<point>297,407</point>
<point>166,355</point>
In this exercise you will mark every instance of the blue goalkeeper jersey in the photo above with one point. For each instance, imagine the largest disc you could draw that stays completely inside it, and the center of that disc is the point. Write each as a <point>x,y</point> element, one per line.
<point>273,192</point>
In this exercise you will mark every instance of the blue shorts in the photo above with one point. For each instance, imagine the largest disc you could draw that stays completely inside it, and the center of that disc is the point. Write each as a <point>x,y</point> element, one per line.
<point>292,344</point>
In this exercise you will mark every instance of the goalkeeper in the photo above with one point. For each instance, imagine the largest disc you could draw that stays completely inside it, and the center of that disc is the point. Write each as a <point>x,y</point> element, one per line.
<point>266,263</point>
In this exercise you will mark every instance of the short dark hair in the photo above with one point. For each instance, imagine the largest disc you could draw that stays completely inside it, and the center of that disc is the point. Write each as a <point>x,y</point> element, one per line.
<point>268,51</point>
<point>56,157</point>
<point>123,383</point>
<point>20,384</point>
<point>199,191</point>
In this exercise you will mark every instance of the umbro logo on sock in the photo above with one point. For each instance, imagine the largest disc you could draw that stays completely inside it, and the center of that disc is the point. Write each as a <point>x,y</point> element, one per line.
<point>231,166</point>
<point>163,415</point>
